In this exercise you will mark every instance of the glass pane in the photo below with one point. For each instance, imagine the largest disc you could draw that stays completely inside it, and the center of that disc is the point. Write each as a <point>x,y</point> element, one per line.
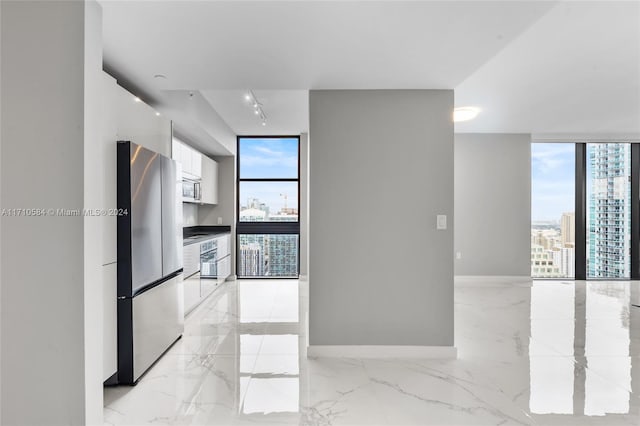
<point>268,201</point>
<point>552,210</point>
<point>608,210</point>
<point>268,158</point>
<point>268,255</point>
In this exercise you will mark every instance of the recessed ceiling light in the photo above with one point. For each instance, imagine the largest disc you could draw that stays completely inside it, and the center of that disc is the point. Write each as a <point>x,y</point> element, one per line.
<point>256,112</point>
<point>137,99</point>
<point>465,113</point>
<point>157,113</point>
<point>264,123</point>
<point>247,97</point>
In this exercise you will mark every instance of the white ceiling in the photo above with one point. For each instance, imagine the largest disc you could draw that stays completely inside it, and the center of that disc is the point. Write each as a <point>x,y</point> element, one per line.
<point>287,111</point>
<point>577,70</point>
<point>531,66</point>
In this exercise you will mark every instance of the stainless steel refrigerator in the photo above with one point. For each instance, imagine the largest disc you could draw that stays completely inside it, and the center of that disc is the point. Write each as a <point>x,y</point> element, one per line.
<point>150,294</point>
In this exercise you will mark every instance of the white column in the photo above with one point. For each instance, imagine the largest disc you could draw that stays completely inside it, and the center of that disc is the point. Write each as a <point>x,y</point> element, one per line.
<point>51,350</point>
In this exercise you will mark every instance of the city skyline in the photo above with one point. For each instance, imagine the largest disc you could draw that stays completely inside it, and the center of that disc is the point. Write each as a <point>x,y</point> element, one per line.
<point>608,208</point>
<point>269,158</point>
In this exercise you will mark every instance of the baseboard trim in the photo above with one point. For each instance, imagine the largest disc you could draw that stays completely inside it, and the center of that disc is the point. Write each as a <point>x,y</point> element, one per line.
<point>491,280</point>
<point>381,351</point>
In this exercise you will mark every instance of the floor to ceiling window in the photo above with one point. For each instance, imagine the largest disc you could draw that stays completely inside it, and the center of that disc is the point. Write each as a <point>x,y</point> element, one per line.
<point>552,210</point>
<point>268,190</point>
<point>585,218</point>
<point>608,210</point>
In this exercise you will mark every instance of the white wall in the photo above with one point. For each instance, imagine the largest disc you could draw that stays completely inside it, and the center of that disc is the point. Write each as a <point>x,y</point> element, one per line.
<point>51,69</point>
<point>189,214</point>
<point>304,205</point>
<point>138,123</point>
<point>493,204</point>
<point>381,169</point>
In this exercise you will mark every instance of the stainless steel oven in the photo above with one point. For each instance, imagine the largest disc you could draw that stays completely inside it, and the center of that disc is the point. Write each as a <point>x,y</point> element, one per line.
<point>209,259</point>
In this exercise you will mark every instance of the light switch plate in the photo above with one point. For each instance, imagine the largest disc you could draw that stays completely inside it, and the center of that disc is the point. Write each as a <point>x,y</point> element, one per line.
<point>441,222</point>
<point>219,221</point>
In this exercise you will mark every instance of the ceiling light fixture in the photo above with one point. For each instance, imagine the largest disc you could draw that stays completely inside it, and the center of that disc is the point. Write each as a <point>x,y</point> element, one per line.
<point>137,99</point>
<point>465,114</point>
<point>251,98</point>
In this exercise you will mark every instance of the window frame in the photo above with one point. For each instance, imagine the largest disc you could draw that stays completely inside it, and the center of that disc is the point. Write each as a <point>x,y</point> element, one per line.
<point>581,207</point>
<point>265,227</point>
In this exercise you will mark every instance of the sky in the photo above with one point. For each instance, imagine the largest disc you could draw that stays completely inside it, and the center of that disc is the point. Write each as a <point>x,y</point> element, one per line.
<point>552,180</point>
<point>269,158</point>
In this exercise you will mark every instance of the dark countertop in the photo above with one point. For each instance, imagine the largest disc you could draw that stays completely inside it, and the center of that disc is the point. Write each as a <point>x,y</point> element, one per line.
<point>198,234</point>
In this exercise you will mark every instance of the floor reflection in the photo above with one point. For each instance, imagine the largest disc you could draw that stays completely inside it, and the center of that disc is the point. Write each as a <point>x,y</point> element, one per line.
<point>584,331</point>
<point>547,352</point>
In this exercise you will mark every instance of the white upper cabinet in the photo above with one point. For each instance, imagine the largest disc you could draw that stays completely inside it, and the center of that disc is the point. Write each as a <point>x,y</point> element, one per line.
<point>196,163</point>
<point>176,150</point>
<point>209,182</point>
<point>190,159</point>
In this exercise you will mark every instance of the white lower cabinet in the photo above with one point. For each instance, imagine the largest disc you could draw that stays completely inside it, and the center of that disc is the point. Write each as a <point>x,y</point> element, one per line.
<point>191,259</point>
<point>196,289</point>
<point>224,269</point>
<point>191,293</point>
<point>207,285</point>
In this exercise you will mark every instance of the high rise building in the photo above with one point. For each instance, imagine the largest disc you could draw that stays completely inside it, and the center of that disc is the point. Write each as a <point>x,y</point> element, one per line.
<point>283,255</point>
<point>563,258</point>
<point>568,228</point>
<point>252,262</point>
<point>609,220</point>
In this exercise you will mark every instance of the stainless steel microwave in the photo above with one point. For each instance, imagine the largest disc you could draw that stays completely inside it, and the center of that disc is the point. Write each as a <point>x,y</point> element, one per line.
<point>191,191</point>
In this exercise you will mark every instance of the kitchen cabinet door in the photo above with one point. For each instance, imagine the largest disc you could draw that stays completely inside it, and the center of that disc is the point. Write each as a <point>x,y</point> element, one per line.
<point>191,259</point>
<point>196,163</point>
<point>209,182</point>
<point>191,292</point>
<point>185,155</point>
<point>176,150</point>
<point>223,243</point>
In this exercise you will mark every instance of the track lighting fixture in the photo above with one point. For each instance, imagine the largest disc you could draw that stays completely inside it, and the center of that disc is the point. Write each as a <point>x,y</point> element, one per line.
<point>257,106</point>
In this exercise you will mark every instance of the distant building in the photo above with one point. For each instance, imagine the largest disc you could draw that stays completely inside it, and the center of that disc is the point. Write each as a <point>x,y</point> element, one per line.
<point>542,265</point>
<point>283,255</point>
<point>267,255</point>
<point>252,215</point>
<point>563,259</point>
<point>251,260</point>
<point>568,229</point>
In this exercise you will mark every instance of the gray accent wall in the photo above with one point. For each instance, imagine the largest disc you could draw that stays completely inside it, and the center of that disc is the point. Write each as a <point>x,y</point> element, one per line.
<point>493,204</point>
<point>381,169</point>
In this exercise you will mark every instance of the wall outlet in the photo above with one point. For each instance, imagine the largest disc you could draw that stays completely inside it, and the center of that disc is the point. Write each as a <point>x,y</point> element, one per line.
<point>458,255</point>
<point>441,222</point>
<point>219,221</point>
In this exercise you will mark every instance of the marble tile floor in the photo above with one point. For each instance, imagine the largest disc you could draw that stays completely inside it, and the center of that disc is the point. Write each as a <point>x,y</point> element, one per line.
<point>529,353</point>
